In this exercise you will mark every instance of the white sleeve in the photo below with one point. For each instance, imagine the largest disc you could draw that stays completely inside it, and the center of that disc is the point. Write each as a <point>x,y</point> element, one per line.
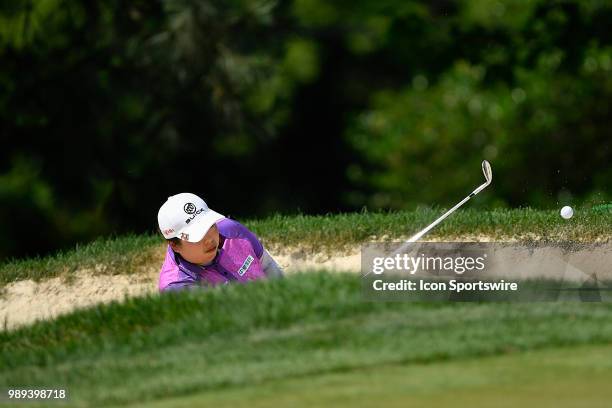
<point>270,267</point>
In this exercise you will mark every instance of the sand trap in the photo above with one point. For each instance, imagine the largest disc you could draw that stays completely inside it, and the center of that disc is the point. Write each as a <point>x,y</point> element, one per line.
<point>26,301</point>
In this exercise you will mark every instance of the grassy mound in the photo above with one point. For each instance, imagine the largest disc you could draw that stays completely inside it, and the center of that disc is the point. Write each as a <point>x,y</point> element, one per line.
<point>307,325</point>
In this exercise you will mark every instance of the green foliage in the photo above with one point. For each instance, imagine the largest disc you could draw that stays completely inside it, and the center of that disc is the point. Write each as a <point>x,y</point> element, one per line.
<point>542,123</point>
<point>306,105</point>
<point>412,138</point>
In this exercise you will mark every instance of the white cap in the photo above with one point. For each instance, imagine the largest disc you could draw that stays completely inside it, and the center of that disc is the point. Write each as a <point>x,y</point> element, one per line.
<point>186,216</point>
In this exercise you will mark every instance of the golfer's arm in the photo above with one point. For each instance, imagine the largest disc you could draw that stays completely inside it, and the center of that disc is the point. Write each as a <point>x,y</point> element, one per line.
<point>270,267</point>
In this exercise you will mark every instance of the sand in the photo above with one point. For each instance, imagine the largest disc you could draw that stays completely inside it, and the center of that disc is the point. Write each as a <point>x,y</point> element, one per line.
<point>26,301</point>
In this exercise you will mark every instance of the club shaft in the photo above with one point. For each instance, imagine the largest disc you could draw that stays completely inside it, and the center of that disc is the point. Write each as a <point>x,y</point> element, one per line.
<point>417,236</point>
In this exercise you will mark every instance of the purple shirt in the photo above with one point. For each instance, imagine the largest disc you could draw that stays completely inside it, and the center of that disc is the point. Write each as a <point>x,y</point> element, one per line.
<point>239,259</point>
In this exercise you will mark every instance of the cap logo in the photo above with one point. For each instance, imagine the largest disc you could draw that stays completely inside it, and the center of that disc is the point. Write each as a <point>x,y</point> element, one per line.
<point>184,236</point>
<point>189,208</point>
<point>188,220</point>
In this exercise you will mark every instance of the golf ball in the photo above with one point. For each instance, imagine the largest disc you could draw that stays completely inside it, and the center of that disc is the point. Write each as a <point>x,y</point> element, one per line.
<point>567,212</point>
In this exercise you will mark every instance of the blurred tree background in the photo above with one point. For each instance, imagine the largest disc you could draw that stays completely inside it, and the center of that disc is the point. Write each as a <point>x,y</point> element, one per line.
<point>263,106</point>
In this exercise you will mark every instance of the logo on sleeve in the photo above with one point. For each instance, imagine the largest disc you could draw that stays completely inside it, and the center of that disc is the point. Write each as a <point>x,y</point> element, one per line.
<point>248,261</point>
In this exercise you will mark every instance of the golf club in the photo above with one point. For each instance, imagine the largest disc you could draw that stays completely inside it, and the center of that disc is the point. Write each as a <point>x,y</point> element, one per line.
<point>488,173</point>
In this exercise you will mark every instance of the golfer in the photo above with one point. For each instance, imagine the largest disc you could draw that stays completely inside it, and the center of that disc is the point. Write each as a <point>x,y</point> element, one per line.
<point>207,249</point>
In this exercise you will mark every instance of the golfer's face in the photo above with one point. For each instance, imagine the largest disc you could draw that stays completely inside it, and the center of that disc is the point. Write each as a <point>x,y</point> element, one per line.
<point>203,251</point>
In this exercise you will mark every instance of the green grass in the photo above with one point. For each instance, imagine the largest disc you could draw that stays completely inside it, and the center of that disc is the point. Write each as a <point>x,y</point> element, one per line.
<point>306,328</point>
<point>338,231</point>
<point>555,378</point>
<point>127,254</point>
<point>330,233</point>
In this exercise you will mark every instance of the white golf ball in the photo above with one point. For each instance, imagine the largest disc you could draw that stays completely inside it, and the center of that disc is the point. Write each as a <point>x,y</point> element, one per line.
<point>567,212</point>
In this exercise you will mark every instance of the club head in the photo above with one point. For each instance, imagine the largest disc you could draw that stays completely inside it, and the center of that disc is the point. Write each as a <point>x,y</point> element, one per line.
<point>486,170</point>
